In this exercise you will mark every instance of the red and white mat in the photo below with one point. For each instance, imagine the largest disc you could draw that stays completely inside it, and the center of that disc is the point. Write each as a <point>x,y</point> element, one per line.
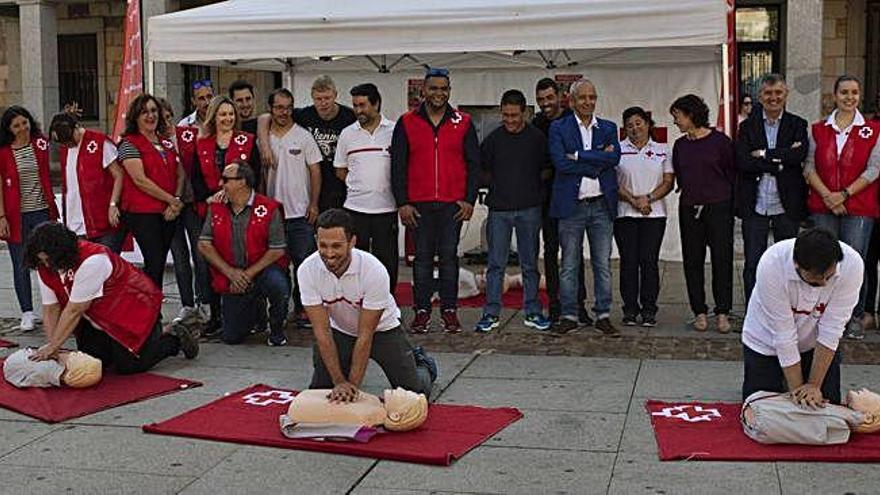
<point>6,343</point>
<point>697,431</point>
<point>250,416</point>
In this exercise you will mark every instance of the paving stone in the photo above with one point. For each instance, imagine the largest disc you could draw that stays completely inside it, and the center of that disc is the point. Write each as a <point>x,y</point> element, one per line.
<point>28,480</point>
<point>690,380</point>
<point>551,368</point>
<point>15,434</point>
<point>563,430</point>
<point>813,477</point>
<point>639,473</point>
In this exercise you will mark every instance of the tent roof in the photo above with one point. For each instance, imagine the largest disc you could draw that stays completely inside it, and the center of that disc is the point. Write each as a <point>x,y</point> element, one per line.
<point>269,29</point>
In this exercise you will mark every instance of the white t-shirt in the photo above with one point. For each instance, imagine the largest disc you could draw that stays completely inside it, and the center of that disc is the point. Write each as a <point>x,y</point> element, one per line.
<point>88,281</point>
<point>73,203</point>
<point>368,160</point>
<point>589,188</point>
<point>640,171</point>
<point>787,316</point>
<point>363,285</point>
<point>290,183</point>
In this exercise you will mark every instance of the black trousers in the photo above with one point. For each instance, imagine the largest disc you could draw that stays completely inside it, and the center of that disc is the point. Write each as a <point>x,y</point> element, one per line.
<point>710,226</point>
<point>638,242</point>
<point>392,352</point>
<point>754,230</point>
<point>153,235</point>
<point>764,373</point>
<point>550,234</point>
<point>97,343</point>
<point>377,234</point>
<point>871,261</point>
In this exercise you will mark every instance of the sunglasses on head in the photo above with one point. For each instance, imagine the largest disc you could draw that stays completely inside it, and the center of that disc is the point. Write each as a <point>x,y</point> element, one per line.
<point>202,83</point>
<point>437,72</point>
<point>226,179</point>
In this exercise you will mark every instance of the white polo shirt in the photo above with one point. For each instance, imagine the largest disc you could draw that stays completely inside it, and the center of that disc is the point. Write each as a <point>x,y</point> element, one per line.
<point>787,316</point>
<point>589,188</point>
<point>363,285</point>
<point>290,182</point>
<point>368,160</point>
<point>88,282</point>
<point>73,214</point>
<point>640,171</point>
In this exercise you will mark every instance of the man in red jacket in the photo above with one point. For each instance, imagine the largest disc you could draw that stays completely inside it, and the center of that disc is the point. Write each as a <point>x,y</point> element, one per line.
<point>435,160</point>
<point>112,308</point>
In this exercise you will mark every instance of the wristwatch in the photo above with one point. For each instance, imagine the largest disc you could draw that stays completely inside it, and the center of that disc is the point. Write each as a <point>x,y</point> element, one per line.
<point>650,198</point>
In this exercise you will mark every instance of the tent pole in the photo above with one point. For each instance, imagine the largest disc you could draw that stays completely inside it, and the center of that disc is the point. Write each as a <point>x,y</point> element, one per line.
<point>151,77</point>
<point>725,85</point>
<point>287,78</point>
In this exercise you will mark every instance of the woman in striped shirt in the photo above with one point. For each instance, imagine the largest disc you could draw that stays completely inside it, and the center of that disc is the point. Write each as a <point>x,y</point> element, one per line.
<point>26,198</point>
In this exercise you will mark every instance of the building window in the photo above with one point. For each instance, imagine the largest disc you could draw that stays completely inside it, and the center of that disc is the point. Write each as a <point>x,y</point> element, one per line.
<point>759,36</point>
<point>78,73</point>
<point>872,58</point>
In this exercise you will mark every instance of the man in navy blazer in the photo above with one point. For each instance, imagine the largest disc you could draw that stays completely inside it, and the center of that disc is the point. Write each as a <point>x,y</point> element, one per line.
<point>585,152</point>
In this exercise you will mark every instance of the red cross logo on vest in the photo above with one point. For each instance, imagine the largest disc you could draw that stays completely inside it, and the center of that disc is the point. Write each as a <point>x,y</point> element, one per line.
<point>167,144</point>
<point>866,132</point>
<point>67,276</point>
<point>682,413</point>
<point>187,136</point>
<point>241,139</point>
<point>456,118</point>
<point>92,147</point>
<point>649,153</point>
<point>268,397</point>
<point>42,144</point>
<point>261,211</point>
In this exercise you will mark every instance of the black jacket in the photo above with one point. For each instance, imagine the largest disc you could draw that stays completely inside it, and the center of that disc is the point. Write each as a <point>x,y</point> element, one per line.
<point>788,153</point>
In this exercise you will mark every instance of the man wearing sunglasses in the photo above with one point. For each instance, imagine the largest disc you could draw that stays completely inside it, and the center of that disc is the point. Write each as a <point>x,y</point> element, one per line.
<point>804,294</point>
<point>243,242</point>
<point>202,93</point>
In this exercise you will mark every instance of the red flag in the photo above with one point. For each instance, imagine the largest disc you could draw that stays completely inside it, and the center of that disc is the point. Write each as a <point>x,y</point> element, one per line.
<point>131,79</point>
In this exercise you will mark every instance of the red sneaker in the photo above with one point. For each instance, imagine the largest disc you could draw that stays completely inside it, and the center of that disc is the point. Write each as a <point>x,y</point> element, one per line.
<point>421,322</point>
<point>450,321</point>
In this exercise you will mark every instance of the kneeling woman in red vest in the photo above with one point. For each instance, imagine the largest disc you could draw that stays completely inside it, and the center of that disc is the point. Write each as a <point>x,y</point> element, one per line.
<point>91,182</point>
<point>111,307</point>
<point>152,185</point>
<point>26,198</point>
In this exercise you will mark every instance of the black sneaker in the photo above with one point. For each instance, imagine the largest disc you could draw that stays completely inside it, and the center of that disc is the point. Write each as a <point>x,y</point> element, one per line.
<point>605,327</point>
<point>212,327</point>
<point>423,359</point>
<point>584,319</point>
<point>649,321</point>
<point>188,337</point>
<point>276,339</point>
<point>630,320</point>
<point>564,327</point>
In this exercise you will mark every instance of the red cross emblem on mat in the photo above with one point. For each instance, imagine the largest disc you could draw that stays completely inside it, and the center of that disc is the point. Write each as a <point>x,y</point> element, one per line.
<point>683,413</point>
<point>268,397</point>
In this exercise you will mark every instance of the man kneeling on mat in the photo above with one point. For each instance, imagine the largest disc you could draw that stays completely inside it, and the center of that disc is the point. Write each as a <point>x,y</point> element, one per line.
<point>111,307</point>
<point>346,296</point>
<point>805,292</point>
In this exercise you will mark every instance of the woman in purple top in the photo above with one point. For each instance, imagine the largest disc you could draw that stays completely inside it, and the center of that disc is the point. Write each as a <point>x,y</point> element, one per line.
<point>704,166</point>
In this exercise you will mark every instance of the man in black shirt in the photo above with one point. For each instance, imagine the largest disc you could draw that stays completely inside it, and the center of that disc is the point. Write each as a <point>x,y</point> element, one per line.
<point>547,96</point>
<point>241,93</point>
<point>325,120</point>
<point>513,156</point>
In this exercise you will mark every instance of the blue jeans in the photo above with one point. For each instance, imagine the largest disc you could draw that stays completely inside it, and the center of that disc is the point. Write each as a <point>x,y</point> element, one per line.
<point>238,314</point>
<point>499,229</point>
<point>437,233</point>
<point>300,244</point>
<point>754,230</point>
<point>856,232</point>
<point>21,275</point>
<point>592,217</point>
<point>188,230</point>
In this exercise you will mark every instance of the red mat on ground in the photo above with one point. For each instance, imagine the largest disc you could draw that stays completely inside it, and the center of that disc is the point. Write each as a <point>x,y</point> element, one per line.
<point>6,343</point>
<point>53,405</point>
<point>712,432</point>
<point>250,416</point>
<point>513,298</point>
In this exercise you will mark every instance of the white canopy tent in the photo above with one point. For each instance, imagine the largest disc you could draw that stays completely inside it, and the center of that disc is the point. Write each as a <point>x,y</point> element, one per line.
<point>637,52</point>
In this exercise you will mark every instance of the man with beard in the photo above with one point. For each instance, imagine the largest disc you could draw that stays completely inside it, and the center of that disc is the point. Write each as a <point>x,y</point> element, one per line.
<point>354,316</point>
<point>241,93</point>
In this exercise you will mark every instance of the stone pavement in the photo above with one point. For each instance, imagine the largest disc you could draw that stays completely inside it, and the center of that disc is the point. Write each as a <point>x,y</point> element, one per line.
<point>584,429</point>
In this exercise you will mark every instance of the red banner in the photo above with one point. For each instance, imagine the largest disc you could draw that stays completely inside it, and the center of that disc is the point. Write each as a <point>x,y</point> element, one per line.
<point>131,79</point>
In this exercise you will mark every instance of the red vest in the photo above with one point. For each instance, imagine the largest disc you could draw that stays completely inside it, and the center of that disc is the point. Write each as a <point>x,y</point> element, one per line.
<point>94,181</point>
<point>162,171</point>
<point>131,302</point>
<point>186,147</point>
<point>256,237</point>
<point>12,188</point>
<point>837,173</point>
<point>436,169</point>
<point>240,147</point>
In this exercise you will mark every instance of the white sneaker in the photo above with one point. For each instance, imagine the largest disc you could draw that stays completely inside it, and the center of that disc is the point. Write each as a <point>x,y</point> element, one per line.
<point>27,321</point>
<point>186,313</point>
<point>203,313</point>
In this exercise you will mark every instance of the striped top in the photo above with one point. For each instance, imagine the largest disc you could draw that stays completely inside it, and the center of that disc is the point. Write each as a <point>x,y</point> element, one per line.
<point>32,198</point>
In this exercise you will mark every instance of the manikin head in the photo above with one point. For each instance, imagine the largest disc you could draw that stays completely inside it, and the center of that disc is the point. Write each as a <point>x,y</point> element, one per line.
<point>80,369</point>
<point>73,369</point>
<point>399,409</point>
<point>868,403</point>
<point>404,410</point>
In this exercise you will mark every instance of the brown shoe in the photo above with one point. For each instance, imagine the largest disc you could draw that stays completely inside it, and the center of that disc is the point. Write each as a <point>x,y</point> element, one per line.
<point>722,323</point>
<point>450,321</point>
<point>564,326</point>
<point>604,326</point>
<point>701,324</point>
<point>421,322</point>
<point>869,322</point>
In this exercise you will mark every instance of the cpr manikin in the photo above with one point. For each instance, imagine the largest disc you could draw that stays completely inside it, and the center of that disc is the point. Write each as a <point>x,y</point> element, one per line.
<point>74,369</point>
<point>400,410</point>
<point>770,417</point>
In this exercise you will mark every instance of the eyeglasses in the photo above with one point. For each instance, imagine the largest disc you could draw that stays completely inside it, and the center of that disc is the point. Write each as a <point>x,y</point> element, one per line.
<point>437,72</point>
<point>226,179</point>
<point>202,83</point>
